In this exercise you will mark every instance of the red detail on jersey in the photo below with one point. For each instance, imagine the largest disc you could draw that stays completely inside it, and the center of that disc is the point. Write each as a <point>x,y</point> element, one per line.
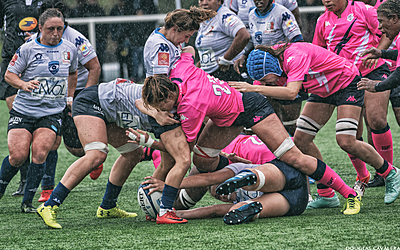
<point>15,57</point>
<point>120,80</point>
<point>163,58</point>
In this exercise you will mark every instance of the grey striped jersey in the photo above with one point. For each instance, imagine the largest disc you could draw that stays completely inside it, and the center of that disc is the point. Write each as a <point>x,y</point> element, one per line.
<point>215,37</point>
<point>243,7</point>
<point>50,65</point>
<point>275,26</point>
<point>159,54</point>
<point>117,99</point>
<point>85,52</point>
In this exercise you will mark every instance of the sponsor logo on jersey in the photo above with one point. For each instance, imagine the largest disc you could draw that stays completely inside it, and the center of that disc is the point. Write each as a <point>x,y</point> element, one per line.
<point>37,59</point>
<point>231,21</point>
<point>199,40</point>
<point>79,41</point>
<point>163,59</point>
<point>163,48</point>
<point>14,120</point>
<point>270,28</point>
<point>290,58</point>
<point>66,57</point>
<point>258,37</point>
<point>52,51</point>
<point>327,23</point>
<point>290,25</point>
<point>183,118</point>
<point>84,49</point>
<point>54,66</point>
<point>285,16</point>
<point>244,1</point>
<point>350,17</point>
<point>28,23</point>
<point>13,60</point>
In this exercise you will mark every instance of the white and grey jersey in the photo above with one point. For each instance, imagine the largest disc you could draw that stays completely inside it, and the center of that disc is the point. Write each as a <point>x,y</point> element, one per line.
<point>159,54</point>
<point>50,65</point>
<point>85,53</point>
<point>117,99</point>
<point>215,37</point>
<point>243,7</point>
<point>243,195</point>
<point>277,25</point>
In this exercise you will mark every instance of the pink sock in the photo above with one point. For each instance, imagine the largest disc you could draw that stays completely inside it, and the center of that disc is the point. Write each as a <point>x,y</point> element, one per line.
<point>326,192</point>
<point>360,167</point>
<point>332,179</point>
<point>385,174</point>
<point>384,145</point>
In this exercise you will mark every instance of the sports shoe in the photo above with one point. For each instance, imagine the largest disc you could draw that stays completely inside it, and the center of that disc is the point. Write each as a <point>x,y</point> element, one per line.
<point>27,208</point>
<point>360,185</point>
<point>114,212</point>
<point>392,183</point>
<point>311,180</point>
<point>352,205</point>
<point>378,181</point>
<point>170,218</point>
<point>49,215</point>
<point>323,202</point>
<point>243,178</point>
<point>21,189</point>
<point>96,173</point>
<point>243,214</point>
<point>45,195</point>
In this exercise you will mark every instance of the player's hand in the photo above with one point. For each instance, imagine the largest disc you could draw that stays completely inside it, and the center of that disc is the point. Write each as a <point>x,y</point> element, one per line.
<point>369,63</point>
<point>368,54</point>
<point>367,84</point>
<point>234,158</point>
<point>27,36</point>
<point>31,85</point>
<point>154,183</point>
<point>239,63</point>
<point>224,68</point>
<point>241,86</point>
<point>165,118</point>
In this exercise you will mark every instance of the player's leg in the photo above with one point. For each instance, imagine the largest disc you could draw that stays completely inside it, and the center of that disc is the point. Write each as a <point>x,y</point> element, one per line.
<point>214,211</point>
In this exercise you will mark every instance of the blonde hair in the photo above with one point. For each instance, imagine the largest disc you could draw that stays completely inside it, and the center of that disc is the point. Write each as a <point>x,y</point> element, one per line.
<point>157,89</point>
<point>274,50</point>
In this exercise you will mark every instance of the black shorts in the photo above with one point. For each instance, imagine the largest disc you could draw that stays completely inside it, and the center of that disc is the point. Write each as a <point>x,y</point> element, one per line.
<point>158,129</point>
<point>347,96</point>
<point>256,108</point>
<point>295,190</point>
<point>68,128</point>
<point>380,73</point>
<point>30,123</point>
<point>301,96</point>
<point>6,90</point>
<point>88,103</point>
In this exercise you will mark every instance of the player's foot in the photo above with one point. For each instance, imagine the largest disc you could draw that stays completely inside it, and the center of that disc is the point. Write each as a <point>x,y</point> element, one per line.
<point>114,212</point>
<point>49,215</point>
<point>323,202</point>
<point>392,184</point>
<point>27,207</point>
<point>361,185</point>
<point>45,195</point>
<point>243,213</point>
<point>352,205</point>
<point>378,181</point>
<point>170,218</point>
<point>242,179</point>
<point>21,189</point>
<point>96,173</point>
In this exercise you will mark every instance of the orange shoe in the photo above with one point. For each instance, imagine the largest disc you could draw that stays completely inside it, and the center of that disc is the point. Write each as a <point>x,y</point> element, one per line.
<point>170,218</point>
<point>45,195</point>
<point>96,173</point>
<point>362,184</point>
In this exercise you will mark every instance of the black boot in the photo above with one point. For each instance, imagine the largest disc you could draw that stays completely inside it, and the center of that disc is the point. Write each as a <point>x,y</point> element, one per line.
<point>378,181</point>
<point>21,189</point>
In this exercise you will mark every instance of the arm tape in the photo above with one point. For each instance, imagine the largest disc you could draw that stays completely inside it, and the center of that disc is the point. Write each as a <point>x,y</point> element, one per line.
<point>390,83</point>
<point>390,54</point>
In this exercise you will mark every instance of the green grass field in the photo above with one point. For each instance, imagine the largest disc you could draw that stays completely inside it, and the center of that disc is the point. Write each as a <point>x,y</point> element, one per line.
<point>377,225</point>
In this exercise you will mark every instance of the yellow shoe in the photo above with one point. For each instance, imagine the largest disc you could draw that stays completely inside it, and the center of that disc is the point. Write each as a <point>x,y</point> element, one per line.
<point>114,213</point>
<point>49,215</point>
<point>352,205</point>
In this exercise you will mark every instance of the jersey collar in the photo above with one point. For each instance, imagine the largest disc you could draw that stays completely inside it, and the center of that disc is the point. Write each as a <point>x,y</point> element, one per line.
<point>259,15</point>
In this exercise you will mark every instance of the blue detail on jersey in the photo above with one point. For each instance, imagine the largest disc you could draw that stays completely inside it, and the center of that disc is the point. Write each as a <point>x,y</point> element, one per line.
<point>54,66</point>
<point>54,128</point>
<point>38,56</point>
<point>258,36</point>
<point>251,8</point>
<point>18,51</point>
<point>244,1</point>
<point>79,41</point>
<point>199,40</point>
<point>163,48</point>
<point>226,16</point>
<point>285,16</point>
<point>259,15</point>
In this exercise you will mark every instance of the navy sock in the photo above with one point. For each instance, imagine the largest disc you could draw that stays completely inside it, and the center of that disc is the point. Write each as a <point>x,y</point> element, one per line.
<point>7,172</point>
<point>50,169</point>
<point>384,167</point>
<point>23,169</point>
<point>58,195</point>
<point>35,174</point>
<point>168,197</point>
<point>110,196</point>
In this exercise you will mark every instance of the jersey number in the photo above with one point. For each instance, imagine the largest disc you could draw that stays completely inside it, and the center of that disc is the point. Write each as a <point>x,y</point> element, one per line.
<point>218,87</point>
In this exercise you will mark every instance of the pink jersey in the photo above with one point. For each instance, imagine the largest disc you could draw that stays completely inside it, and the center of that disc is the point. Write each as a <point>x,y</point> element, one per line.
<point>351,34</point>
<point>251,148</point>
<point>321,71</point>
<point>203,95</point>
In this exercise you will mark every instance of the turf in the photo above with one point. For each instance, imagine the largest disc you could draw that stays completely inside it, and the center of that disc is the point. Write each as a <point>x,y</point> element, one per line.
<point>374,227</point>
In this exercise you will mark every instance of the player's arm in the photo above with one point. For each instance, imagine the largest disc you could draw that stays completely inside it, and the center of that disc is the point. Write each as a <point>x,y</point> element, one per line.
<point>162,118</point>
<point>14,80</point>
<point>214,211</point>
<point>72,82</point>
<point>278,92</point>
<point>94,68</point>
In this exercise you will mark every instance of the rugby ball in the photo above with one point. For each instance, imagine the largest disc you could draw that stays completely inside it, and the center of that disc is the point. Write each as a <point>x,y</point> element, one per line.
<point>150,204</point>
